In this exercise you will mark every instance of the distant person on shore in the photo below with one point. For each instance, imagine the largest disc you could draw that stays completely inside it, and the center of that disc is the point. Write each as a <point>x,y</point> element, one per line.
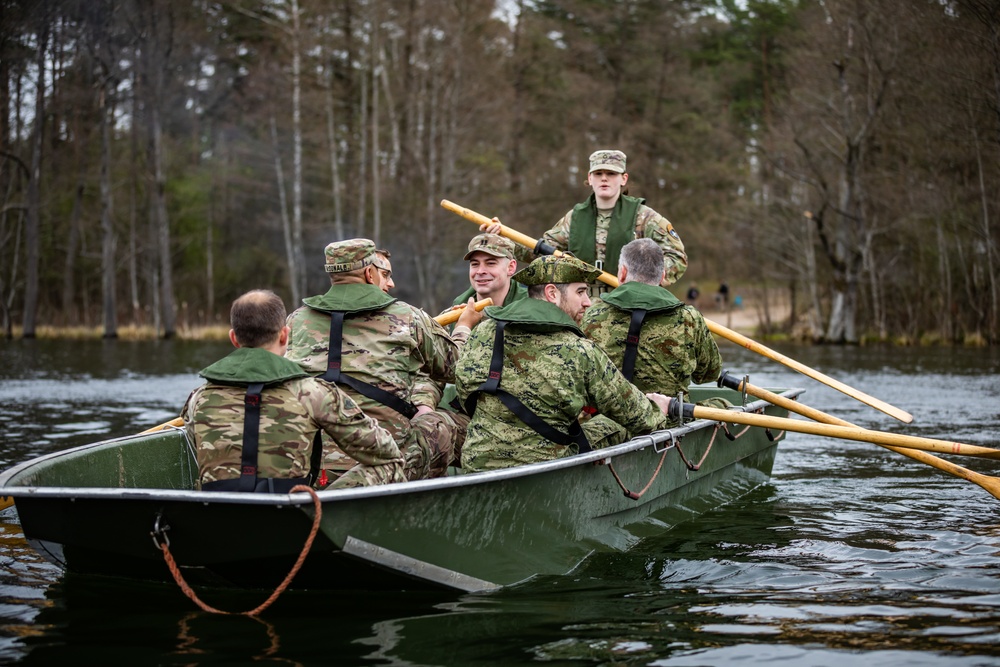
<point>255,424</point>
<point>595,230</point>
<point>723,295</point>
<point>660,344</point>
<point>692,294</point>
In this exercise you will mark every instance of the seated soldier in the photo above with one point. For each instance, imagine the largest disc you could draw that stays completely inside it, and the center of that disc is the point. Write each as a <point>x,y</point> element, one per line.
<point>659,343</point>
<point>256,423</point>
<point>385,354</point>
<point>527,371</point>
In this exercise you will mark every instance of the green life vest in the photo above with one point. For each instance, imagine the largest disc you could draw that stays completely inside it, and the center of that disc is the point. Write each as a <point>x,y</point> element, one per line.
<point>534,315</point>
<point>251,365</point>
<point>583,230</point>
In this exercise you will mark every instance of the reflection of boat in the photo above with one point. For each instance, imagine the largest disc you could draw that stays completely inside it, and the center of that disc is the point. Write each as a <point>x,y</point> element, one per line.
<point>93,509</point>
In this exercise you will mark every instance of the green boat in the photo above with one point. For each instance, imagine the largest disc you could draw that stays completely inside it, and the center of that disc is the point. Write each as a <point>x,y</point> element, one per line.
<point>107,508</point>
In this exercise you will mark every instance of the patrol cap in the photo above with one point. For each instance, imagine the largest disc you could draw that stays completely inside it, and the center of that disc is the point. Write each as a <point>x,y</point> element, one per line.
<point>381,259</point>
<point>349,255</point>
<point>556,270</point>
<point>607,159</point>
<point>491,244</point>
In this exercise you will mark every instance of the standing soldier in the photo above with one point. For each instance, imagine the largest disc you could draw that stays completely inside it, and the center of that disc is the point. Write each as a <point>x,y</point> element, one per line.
<point>595,230</point>
<point>256,422</point>
<point>527,372</point>
<point>381,351</point>
<point>659,343</point>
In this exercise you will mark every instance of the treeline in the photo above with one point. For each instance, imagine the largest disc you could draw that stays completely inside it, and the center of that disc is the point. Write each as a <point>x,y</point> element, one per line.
<point>160,157</point>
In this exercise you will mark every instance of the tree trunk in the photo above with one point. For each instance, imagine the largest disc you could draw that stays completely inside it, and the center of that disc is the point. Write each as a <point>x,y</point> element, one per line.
<point>299,255</point>
<point>376,193</point>
<point>34,221</point>
<point>331,135</point>
<point>286,225</point>
<point>108,243</point>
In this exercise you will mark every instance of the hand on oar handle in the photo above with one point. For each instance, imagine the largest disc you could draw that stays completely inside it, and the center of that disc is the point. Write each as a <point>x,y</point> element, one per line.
<point>492,227</point>
<point>470,316</point>
<point>453,315</point>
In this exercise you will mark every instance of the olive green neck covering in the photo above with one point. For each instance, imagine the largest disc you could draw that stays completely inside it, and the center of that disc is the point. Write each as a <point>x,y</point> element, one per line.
<point>248,365</point>
<point>350,298</point>
<point>640,296</point>
<point>534,315</point>
<point>583,230</point>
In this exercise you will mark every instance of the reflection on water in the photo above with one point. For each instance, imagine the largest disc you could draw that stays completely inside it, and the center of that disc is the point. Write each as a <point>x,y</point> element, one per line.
<point>850,555</point>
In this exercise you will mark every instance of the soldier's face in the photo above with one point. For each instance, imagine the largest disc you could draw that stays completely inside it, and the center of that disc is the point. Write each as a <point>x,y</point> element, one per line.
<point>385,282</point>
<point>607,184</point>
<point>489,275</point>
<point>574,300</point>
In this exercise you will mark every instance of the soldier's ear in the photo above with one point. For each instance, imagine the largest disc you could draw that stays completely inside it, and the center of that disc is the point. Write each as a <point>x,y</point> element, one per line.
<point>232,338</point>
<point>512,267</point>
<point>283,336</point>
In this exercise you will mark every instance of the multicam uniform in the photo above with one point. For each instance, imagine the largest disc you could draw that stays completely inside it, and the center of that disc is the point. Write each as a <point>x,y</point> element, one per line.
<point>622,225</point>
<point>293,408</point>
<point>386,343</point>
<point>555,372</point>
<point>675,347</point>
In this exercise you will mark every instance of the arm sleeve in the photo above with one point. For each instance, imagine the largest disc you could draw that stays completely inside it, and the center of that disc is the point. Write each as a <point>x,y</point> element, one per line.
<point>709,360</point>
<point>621,400</point>
<point>655,226</point>
<point>357,434</point>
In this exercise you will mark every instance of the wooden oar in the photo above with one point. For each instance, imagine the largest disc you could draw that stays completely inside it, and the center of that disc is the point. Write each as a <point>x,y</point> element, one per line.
<point>447,317</point>
<point>988,482</point>
<point>540,248</point>
<point>691,411</point>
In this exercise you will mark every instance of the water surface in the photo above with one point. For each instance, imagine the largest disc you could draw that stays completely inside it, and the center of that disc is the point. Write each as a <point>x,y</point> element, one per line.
<point>851,555</point>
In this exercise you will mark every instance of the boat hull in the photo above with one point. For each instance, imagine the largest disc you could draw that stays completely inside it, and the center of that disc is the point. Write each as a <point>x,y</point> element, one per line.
<point>94,510</point>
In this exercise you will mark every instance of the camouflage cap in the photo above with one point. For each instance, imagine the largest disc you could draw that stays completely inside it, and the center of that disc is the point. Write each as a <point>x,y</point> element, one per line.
<point>491,244</point>
<point>381,259</point>
<point>556,270</point>
<point>349,255</point>
<point>607,159</point>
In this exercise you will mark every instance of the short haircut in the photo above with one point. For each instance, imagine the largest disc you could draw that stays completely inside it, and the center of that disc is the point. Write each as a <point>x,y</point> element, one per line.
<point>257,318</point>
<point>538,291</point>
<point>644,260</point>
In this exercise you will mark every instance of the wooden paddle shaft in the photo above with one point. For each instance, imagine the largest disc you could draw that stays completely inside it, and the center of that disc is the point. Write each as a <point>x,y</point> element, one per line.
<point>447,317</point>
<point>714,327</point>
<point>843,432</point>
<point>991,484</point>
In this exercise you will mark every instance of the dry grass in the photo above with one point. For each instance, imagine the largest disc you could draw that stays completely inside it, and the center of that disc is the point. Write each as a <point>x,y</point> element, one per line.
<point>129,332</point>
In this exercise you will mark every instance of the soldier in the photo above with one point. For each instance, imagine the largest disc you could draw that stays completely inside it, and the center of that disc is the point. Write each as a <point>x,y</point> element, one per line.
<point>491,265</point>
<point>528,371</point>
<point>381,351</point>
<point>384,267</point>
<point>658,342</point>
<point>596,230</point>
<point>255,423</point>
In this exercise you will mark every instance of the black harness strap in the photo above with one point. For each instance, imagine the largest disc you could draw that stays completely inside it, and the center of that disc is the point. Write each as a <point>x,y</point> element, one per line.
<point>248,482</point>
<point>632,343</point>
<point>333,373</point>
<point>521,411</point>
<point>251,437</point>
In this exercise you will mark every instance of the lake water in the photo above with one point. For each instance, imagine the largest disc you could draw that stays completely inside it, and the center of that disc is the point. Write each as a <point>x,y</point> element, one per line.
<point>851,555</point>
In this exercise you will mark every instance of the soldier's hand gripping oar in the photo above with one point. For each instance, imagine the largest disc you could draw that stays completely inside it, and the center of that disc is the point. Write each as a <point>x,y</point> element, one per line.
<point>991,484</point>
<point>444,319</point>
<point>540,248</point>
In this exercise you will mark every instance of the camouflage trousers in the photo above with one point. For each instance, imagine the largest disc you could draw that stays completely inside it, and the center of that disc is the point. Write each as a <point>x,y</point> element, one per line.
<point>434,443</point>
<point>365,475</point>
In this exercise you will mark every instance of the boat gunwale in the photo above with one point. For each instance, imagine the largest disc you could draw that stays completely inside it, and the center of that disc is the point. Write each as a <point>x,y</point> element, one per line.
<point>637,443</point>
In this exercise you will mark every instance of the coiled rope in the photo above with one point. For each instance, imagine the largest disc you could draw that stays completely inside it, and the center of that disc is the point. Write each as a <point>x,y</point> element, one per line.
<point>164,546</point>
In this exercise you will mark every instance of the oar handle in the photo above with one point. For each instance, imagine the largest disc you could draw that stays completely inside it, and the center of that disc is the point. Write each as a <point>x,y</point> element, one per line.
<point>176,422</point>
<point>536,246</point>
<point>446,318</point>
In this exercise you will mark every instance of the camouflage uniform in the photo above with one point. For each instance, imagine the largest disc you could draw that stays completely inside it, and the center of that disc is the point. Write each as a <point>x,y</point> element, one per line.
<point>648,224</point>
<point>293,408</point>
<point>391,345</point>
<point>554,371</point>
<point>675,346</point>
